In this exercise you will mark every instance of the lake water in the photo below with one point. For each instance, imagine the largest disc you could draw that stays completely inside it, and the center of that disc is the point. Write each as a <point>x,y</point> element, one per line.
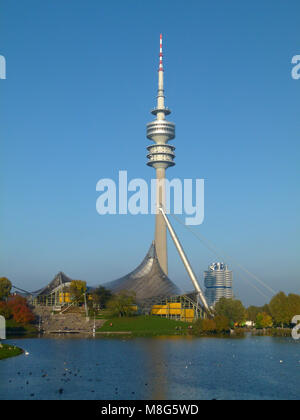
<point>153,368</point>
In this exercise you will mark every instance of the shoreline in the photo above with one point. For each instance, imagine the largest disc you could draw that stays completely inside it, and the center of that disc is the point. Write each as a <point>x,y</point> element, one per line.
<point>285,333</point>
<point>140,326</point>
<point>7,351</point>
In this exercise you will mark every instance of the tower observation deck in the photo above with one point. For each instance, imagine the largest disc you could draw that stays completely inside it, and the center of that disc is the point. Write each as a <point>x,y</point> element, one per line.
<point>160,156</point>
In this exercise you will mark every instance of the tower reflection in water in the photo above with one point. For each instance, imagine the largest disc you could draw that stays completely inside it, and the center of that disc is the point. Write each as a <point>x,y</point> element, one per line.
<point>158,367</point>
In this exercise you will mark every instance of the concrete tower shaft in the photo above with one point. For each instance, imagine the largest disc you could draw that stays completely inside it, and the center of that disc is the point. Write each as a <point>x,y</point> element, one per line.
<point>161,156</point>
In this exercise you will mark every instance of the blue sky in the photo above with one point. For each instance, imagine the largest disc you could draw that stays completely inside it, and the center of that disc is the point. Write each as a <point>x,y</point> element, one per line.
<point>81,79</point>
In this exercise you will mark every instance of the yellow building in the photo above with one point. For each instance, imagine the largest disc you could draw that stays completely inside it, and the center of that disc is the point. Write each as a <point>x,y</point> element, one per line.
<point>182,308</point>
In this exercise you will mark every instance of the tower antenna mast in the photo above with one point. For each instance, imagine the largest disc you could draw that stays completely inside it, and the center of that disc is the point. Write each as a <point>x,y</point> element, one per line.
<point>160,157</point>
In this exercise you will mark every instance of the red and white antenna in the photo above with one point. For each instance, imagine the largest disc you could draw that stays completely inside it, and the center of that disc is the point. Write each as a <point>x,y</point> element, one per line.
<point>160,55</point>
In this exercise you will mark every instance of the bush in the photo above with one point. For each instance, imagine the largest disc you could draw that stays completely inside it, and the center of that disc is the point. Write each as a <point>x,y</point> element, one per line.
<point>222,324</point>
<point>218,325</point>
<point>204,326</point>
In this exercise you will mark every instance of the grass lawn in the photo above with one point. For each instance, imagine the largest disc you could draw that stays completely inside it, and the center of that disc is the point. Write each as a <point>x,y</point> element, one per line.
<point>104,314</point>
<point>145,325</point>
<point>7,350</point>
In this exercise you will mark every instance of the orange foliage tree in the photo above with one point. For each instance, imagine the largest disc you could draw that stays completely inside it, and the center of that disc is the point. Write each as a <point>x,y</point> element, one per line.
<point>20,310</point>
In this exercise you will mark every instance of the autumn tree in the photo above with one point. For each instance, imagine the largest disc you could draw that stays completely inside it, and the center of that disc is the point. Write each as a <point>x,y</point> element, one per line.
<point>20,310</point>
<point>23,315</point>
<point>263,320</point>
<point>16,301</point>
<point>77,289</point>
<point>5,288</point>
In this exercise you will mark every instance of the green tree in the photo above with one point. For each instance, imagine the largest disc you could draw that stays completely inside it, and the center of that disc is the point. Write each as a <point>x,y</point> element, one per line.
<point>263,320</point>
<point>266,309</point>
<point>293,305</point>
<point>5,288</point>
<point>232,309</point>
<point>279,308</point>
<point>77,289</point>
<point>252,312</point>
<point>122,304</point>
<point>101,296</point>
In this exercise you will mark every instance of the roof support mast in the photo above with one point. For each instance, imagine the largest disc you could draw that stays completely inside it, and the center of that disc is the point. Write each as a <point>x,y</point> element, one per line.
<point>186,262</point>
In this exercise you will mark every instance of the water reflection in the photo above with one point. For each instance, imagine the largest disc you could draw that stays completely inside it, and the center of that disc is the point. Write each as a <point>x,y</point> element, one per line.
<point>157,364</point>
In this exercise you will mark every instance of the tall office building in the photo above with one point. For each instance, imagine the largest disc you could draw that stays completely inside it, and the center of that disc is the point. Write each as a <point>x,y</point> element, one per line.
<point>218,283</point>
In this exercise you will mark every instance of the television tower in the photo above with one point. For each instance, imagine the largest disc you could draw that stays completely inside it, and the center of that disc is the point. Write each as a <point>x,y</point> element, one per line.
<point>149,281</point>
<point>161,155</point>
